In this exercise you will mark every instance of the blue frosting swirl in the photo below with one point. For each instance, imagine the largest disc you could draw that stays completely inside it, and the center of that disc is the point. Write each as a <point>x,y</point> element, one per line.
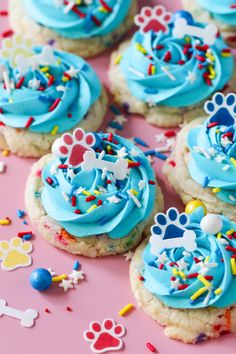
<point>115,218</point>
<point>86,21</point>
<point>216,251</point>
<point>75,94</point>
<point>192,76</point>
<point>221,10</point>
<point>213,152</point>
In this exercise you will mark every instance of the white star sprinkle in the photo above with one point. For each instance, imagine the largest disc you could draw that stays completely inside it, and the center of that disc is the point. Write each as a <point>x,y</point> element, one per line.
<point>150,159</point>
<point>66,284</point>
<point>175,283</point>
<point>219,158</point>
<point>76,275</point>
<point>70,173</point>
<point>120,119</point>
<point>191,77</point>
<point>80,190</point>
<point>182,264</point>
<point>160,138</point>
<point>134,152</point>
<point>34,84</point>
<point>162,258</point>
<point>128,255</point>
<point>72,72</point>
<point>110,130</point>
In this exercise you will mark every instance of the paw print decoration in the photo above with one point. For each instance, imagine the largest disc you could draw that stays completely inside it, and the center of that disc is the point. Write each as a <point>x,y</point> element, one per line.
<point>15,254</point>
<point>72,147</point>
<point>105,336</point>
<point>153,19</point>
<point>170,231</point>
<point>222,109</point>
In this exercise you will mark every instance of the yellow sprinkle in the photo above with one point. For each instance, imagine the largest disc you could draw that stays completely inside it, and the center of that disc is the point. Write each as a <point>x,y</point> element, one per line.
<point>229,232</point>
<point>203,280</point>
<point>5,153</point>
<point>199,293</point>
<point>125,309</point>
<point>118,59</point>
<point>4,222</point>
<point>134,191</point>
<point>219,235</point>
<point>233,265</point>
<point>86,193</point>
<point>54,130</point>
<point>96,192</point>
<point>175,272</point>
<point>108,148</point>
<point>233,160</point>
<point>92,208</point>
<point>183,276</point>
<point>103,10</point>
<point>58,61</point>
<point>218,291</point>
<point>48,75</point>
<point>140,48</point>
<point>210,56</point>
<point>153,70</point>
<point>217,131</point>
<point>207,259</point>
<point>10,100</point>
<point>59,278</point>
<point>187,39</point>
<point>225,54</point>
<point>44,69</point>
<point>65,79</point>
<point>216,190</point>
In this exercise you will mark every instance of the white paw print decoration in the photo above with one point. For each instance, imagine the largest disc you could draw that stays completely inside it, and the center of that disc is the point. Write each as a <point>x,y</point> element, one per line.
<point>170,231</point>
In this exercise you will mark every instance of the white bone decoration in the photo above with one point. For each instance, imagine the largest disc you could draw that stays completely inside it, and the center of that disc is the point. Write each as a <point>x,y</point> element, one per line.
<point>207,34</point>
<point>26,317</point>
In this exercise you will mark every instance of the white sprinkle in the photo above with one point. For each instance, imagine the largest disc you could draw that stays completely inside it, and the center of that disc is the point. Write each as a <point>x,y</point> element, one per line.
<point>136,72</point>
<point>104,173</point>
<point>54,170</point>
<point>7,81</point>
<point>101,155</point>
<point>166,71</point>
<point>223,241</point>
<point>114,199</point>
<point>135,200</point>
<point>65,196</point>
<point>226,167</point>
<point>142,184</point>
<point>2,166</point>
<point>232,198</point>
<point>61,88</point>
<point>80,190</point>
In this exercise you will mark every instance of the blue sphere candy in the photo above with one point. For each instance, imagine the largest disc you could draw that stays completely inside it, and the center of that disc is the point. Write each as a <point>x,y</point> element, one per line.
<point>184,14</point>
<point>40,279</point>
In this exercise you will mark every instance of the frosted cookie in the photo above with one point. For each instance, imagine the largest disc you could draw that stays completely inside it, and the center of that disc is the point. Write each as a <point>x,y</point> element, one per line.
<point>171,65</point>
<point>185,276</point>
<point>221,12</point>
<point>85,28</point>
<point>203,163</point>
<point>94,196</point>
<point>43,93</point>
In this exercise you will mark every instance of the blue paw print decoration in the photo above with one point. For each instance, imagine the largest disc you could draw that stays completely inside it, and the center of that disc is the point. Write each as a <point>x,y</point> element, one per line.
<point>222,109</point>
<point>170,231</point>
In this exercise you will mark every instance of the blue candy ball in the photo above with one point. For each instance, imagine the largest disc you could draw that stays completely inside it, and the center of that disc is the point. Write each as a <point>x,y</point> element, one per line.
<point>184,14</point>
<point>40,279</point>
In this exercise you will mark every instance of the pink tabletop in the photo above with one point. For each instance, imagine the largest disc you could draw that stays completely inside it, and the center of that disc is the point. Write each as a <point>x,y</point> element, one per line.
<point>106,289</point>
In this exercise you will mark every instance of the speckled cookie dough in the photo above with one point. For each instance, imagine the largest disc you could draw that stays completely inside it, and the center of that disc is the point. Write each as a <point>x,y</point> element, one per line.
<point>86,47</point>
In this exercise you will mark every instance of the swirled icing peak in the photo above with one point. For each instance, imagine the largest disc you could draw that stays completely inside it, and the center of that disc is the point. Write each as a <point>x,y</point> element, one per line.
<point>190,259</point>
<point>42,89</point>
<point>175,62</point>
<point>221,10</point>
<point>83,19</point>
<point>213,148</point>
<point>98,184</point>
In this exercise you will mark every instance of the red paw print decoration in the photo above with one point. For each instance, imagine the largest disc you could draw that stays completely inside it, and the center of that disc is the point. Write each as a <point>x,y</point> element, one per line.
<point>73,146</point>
<point>153,19</point>
<point>105,336</point>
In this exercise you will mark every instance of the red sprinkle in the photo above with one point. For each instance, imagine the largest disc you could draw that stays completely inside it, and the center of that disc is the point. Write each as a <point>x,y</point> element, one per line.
<point>99,202</point>
<point>167,56</point>
<point>23,233</point>
<point>133,164</point>
<point>211,125</point>
<point>141,278</point>
<point>20,82</point>
<point>77,211</point>
<point>170,133</point>
<point>54,105</point>
<point>108,181</point>
<point>69,309</point>
<point>161,266</point>
<point>63,167</point>
<point>3,13</point>
<point>29,122</point>
<point>47,310</point>
<point>49,180</point>
<point>106,6</point>
<point>172,163</point>
<point>110,137</point>
<point>90,198</point>
<point>229,248</point>
<point>73,200</point>
<point>151,182</point>
<point>151,347</point>
<point>182,286</point>
<point>192,275</point>
<point>7,33</point>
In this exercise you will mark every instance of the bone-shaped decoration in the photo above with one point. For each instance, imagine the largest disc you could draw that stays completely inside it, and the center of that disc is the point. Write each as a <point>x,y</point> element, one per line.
<point>46,57</point>
<point>26,317</point>
<point>119,168</point>
<point>207,34</point>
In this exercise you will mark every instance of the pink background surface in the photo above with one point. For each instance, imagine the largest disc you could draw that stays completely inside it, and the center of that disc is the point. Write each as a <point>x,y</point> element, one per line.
<point>106,289</point>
